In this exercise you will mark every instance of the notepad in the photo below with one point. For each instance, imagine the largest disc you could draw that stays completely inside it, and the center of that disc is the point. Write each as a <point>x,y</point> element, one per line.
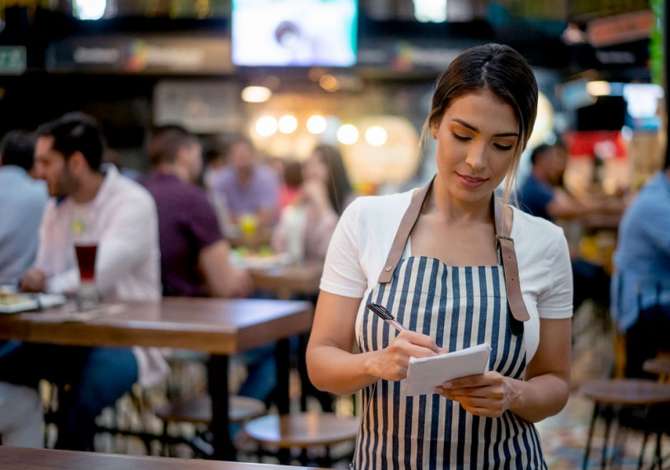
<point>426,373</point>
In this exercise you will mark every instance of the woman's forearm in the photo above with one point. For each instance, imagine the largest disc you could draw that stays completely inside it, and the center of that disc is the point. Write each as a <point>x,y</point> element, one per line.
<point>334,370</point>
<point>539,397</point>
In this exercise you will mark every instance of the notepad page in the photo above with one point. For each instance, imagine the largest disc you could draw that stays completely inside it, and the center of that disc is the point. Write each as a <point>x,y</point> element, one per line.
<point>426,373</point>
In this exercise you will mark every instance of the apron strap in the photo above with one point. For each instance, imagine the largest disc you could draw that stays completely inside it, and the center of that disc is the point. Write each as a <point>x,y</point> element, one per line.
<point>402,235</point>
<point>503,239</point>
<point>510,266</point>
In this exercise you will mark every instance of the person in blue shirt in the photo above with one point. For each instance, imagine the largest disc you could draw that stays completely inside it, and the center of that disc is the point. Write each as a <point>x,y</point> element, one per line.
<point>22,203</point>
<point>542,195</point>
<point>641,281</point>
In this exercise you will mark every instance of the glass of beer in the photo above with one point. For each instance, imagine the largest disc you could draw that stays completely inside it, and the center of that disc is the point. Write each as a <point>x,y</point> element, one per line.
<point>87,294</point>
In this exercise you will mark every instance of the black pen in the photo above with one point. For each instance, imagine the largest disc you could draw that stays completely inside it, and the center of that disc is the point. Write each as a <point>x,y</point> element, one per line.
<point>385,315</point>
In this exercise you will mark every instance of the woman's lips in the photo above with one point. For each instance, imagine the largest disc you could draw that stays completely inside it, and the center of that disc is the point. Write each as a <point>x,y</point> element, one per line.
<point>471,181</point>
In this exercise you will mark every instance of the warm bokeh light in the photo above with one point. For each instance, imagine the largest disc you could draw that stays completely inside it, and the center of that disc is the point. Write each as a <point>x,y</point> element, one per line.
<point>256,94</point>
<point>347,134</point>
<point>376,136</point>
<point>266,126</point>
<point>316,124</point>
<point>287,124</point>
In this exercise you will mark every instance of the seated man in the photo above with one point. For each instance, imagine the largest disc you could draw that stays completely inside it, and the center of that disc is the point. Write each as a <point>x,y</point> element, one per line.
<point>541,195</point>
<point>195,257</point>
<point>641,281</point>
<point>121,216</point>
<point>22,202</point>
<point>248,187</point>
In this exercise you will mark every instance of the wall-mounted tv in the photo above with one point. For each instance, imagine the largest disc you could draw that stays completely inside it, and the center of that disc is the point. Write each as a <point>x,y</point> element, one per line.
<point>297,33</point>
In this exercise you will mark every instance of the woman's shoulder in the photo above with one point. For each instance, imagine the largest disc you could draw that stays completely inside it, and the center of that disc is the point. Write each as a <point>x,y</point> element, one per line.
<point>382,202</point>
<point>374,215</point>
<point>532,231</point>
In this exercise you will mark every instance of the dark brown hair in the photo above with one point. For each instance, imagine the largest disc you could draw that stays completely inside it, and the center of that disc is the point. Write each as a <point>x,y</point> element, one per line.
<point>166,142</point>
<point>499,69</point>
<point>339,186</point>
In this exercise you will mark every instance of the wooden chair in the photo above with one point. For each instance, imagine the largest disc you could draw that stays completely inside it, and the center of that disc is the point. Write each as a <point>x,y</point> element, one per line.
<point>611,397</point>
<point>198,411</point>
<point>302,431</point>
<point>660,366</point>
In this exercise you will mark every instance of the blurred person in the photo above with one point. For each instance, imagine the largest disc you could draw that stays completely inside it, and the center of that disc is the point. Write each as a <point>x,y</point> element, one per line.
<point>22,203</point>
<point>195,258</point>
<point>542,195</point>
<point>641,281</point>
<point>121,216</point>
<point>215,161</point>
<point>311,220</point>
<point>248,187</point>
<point>21,421</point>
<point>292,179</point>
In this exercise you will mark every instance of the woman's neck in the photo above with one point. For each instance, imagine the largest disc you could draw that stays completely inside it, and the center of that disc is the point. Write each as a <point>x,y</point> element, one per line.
<point>454,210</point>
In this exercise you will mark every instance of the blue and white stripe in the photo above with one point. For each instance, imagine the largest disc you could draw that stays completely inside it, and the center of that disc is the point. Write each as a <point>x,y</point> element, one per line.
<point>459,307</point>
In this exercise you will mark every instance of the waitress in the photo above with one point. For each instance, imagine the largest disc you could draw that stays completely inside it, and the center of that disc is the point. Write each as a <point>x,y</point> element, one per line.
<point>457,268</point>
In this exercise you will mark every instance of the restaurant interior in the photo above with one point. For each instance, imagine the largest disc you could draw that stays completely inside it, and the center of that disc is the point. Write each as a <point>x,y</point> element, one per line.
<point>200,306</point>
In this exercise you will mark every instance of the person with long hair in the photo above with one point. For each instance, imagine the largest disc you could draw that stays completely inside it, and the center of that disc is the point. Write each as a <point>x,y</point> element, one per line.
<point>456,267</point>
<point>306,226</point>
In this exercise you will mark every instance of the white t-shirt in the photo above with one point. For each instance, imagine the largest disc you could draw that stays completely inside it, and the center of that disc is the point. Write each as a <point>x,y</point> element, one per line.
<point>122,218</point>
<point>364,235</point>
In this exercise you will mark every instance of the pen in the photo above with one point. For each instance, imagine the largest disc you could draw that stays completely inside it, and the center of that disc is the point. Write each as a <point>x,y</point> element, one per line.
<point>385,315</point>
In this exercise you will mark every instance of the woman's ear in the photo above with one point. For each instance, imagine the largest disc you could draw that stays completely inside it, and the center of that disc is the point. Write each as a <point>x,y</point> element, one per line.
<point>433,129</point>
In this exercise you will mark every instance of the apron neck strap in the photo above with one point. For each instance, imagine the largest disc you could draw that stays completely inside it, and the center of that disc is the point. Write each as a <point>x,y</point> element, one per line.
<point>504,241</point>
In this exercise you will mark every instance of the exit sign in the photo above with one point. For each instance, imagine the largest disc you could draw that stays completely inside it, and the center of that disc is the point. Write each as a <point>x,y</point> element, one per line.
<point>12,60</point>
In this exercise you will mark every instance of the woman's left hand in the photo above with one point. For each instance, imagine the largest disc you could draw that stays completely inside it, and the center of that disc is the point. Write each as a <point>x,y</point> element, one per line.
<point>489,394</point>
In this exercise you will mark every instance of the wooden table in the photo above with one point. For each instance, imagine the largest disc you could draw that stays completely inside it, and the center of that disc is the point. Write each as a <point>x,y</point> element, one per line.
<point>286,282</point>
<point>218,327</point>
<point>13,458</point>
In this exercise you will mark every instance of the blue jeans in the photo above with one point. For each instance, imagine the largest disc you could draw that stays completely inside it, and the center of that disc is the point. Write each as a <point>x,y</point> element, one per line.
<point>97,378</point>
<point>261,373</point>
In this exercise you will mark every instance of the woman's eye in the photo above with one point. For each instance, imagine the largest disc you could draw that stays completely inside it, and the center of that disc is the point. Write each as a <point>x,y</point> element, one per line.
<point>462,138</point>
<point>502,147</point>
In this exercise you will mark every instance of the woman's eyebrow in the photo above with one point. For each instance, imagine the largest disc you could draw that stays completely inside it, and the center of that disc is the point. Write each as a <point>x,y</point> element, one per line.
<point>473,128</point>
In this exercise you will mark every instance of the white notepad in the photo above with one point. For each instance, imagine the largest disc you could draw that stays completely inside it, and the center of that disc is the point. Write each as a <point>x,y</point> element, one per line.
<point>426,373</point>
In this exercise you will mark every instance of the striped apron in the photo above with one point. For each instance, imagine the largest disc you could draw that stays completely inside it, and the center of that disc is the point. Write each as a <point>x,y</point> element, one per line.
<point>458,307</point>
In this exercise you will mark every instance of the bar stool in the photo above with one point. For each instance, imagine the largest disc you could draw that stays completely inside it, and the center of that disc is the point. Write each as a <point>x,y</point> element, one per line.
<point>198,411</point>
<point>302,431</point>
<point>610,397</point>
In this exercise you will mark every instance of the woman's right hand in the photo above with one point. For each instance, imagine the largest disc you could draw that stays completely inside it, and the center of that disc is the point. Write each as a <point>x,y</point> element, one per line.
<point>391,363</point>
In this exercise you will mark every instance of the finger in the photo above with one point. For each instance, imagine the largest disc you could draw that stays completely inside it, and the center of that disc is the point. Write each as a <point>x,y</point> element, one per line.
<point>479,380</point>
<point>482,412</point>
<point>470,402</point>
<point>420,340</point>
<point>418,351</point>
<point>494,393</point>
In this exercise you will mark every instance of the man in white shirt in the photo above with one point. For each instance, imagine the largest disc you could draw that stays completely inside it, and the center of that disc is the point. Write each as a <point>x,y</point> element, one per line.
<point>99,204</point>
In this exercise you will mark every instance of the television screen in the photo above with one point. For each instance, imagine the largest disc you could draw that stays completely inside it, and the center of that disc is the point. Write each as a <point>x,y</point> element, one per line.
<point>298,33</point>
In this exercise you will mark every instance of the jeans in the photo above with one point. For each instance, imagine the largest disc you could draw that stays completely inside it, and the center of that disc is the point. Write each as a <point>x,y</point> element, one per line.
<point>648,336</point>
<point>261,373</point>
<point>97,378</point>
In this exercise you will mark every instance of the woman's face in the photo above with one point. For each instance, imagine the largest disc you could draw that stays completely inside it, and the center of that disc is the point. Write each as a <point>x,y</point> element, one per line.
<point>476,141</point>
<point>314,169</point>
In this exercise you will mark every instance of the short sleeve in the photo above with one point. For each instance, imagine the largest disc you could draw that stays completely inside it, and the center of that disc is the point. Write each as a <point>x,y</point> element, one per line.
<point>535,198</point>
<point>555,302</point>
<point>203,224</point>
<point>342,271</point>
